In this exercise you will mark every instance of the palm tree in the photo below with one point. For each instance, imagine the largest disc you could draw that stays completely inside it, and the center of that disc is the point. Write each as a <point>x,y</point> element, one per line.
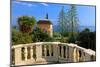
<point>26,23</point>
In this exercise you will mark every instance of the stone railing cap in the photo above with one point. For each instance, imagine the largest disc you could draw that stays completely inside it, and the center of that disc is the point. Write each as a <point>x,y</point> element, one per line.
<point>91,52</point>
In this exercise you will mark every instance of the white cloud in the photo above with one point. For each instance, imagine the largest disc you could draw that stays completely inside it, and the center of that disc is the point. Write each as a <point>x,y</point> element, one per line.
<point>44,4</point>
<point>28,4</point>
<point>23,3</point>
<point>16,2</point>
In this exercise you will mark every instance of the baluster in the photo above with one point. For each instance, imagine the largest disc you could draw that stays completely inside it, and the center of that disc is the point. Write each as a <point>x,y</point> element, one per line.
<point>45,51</point>
<point>66,52</point>
<point>18,55</point>
<point>87,56</point>
<point>71,54</point>
<point>78,55</point>
<point>62,52</point>
<point>75,54</point>
<point>49,50</point>
<point>82,55</point>
<point>25,53</point>
<point>31,52</point>
<point>58,51</point>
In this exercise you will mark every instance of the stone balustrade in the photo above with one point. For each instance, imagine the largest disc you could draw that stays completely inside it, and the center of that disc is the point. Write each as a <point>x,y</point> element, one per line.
<point>50,52</point>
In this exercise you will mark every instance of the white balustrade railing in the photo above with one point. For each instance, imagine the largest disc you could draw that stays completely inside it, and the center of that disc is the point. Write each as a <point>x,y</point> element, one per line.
<point>50,52</point>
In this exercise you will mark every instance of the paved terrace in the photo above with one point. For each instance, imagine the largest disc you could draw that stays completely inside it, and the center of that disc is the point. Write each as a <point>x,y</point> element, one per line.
<point>50,52</point>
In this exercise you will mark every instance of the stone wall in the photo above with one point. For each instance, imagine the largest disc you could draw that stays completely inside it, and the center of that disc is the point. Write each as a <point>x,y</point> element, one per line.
<point>46,27</point>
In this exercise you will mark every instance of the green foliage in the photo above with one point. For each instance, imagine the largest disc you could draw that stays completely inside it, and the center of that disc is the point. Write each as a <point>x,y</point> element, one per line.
<point>72,37</point>
<point>20,38</point>
<point>61,37</point>
<point>26,20</point>
<point>36,36</point>
<point>72,18</point>
<point>26,23</point>
<point>56,34</point>
<point>65,34</point>
<point>39,35</point>
<point>61,20</point>
<point>68,21</point>
<point>87,39</point>
<point>64,39</point>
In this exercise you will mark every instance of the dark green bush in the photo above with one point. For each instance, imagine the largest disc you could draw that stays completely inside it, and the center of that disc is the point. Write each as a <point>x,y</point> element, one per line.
<point>72,37</point>
<point>39,35</point>
<point>87,39</point>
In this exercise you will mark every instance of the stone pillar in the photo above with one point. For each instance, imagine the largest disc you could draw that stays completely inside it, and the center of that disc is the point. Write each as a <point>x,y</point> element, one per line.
<point>45,51</point>
<point>58,50</point>
<point>55,52</point>
<point>75,55</point>
<point>17,56</point>
<point>82,56</point>
<point>66,52</point>
<point>87,57</point>
<point>26,53</point>
<point>62,52</point>
<point>31,52</point>
<point>39,53</point>
<point>49,50</point>
<point>71,54</point>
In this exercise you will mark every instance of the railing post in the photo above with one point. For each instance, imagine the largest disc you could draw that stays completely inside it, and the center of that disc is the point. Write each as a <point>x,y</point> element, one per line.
<point>17,56</point>
<point>26,53</point>
<point>87,57</point>
<point>66,53</point>
<point>31,52</point>
<point>49,50</point>
<point>45,51</point>
<point>55,52</point>
<point>71,53</point>
<point>75,55</point>
<point>39,54</point>
<point>58,50</point>
<point>62,52</point>
<point>82,56</point>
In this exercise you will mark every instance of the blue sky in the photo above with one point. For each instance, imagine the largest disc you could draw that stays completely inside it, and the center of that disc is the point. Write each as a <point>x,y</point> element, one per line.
<point>86,14</point>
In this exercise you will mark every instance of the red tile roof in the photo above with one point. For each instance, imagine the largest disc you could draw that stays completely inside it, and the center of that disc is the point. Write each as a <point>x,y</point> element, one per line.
<point>45,21</point>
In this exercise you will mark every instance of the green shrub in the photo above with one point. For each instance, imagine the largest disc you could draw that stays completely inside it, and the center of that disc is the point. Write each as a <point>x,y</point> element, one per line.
<point>38,36</point>
<point>72,37</point>
<point>56,34</point>
<point>87,39</point>
<point>20,38</point>
<point>64,39</point>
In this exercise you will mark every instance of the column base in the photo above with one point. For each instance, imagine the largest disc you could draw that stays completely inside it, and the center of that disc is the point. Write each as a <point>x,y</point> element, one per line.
<point>41,61</point>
